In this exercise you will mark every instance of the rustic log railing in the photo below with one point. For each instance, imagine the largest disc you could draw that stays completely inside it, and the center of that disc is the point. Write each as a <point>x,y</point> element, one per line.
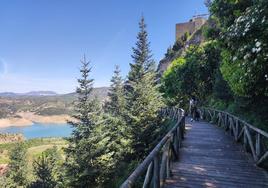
<point>157,164</point>
<point>253,139</point>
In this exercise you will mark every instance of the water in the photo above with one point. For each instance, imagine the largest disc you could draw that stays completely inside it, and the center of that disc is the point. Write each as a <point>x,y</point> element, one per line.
<point>38,130</point>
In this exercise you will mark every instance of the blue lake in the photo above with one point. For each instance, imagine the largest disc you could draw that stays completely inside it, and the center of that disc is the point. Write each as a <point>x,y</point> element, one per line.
<point>38,130</point>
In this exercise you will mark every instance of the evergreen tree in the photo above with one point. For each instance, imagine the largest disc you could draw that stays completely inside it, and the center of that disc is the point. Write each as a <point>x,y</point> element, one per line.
<point>114,132</point>
<point>47,169</point>
<point>82,168</point>
<point>43,170</point>
<point>142,57</point>
<point>116,103</point>
<point>115,143</point>
<point>17,173</point>
<point>143,99</point>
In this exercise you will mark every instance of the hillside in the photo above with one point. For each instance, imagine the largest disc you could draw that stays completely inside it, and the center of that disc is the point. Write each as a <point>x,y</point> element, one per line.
<point>41,103</point>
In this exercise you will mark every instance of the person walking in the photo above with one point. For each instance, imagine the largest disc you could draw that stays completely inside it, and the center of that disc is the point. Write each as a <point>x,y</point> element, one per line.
<point>192,108</point>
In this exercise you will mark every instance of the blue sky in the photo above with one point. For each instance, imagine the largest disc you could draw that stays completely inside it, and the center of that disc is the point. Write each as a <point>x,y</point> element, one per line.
<point>42,41</point>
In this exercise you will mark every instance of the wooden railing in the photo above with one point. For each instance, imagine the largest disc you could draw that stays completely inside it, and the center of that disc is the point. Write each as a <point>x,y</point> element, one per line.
<point>253,139</point>
<point>156,166</point>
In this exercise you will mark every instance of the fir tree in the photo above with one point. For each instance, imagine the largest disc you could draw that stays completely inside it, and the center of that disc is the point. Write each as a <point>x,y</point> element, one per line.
<point>43,170</point>
<point>143,99</point>
<point>116,103</point>
<point>82,168</point>
<point>142,57</point>
<point>114,130</point>
<point>47,169</point>
<point>17,173</point>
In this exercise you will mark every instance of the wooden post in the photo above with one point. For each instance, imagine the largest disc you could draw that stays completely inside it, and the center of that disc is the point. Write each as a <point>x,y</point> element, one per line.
<point>225,122</point>
<point>176,142</point>
<point>245,142</point>
<point>163,167</point>
<point>148,176</point>
<point>236,130</point>
<point>168,162</point>
<point>179,137</point>
<point>258,145</point>
<point>251,144</point>
<point>156,172</point>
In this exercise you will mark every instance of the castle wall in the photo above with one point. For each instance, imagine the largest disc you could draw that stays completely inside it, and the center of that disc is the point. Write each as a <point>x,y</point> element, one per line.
<point>190,27</point>
<point>182,28</point>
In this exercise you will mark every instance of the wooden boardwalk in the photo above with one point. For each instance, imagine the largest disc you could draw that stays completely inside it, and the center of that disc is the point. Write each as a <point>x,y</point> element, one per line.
<point>210,157</point>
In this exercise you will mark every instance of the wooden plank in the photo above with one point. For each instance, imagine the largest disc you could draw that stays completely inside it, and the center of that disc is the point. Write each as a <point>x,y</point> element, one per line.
<point>209,157</point>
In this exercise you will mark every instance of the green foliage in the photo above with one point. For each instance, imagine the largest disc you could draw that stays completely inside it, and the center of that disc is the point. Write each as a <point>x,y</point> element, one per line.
<point>245,47</point>
<point>177,46</point>
<point>82,168</point>
<point>172,81</point>
<point>117,102</point>
<point>143,97</point>
<point>116,145</point>
<point>142,57</point>
<point>229,70</point>
<point>221,89</point>
<point>17,172</point>
<point>226,11</point>
<point>192,75</point>
<point>46,169</point>
<point>169,53</point>
<point>114,132</point>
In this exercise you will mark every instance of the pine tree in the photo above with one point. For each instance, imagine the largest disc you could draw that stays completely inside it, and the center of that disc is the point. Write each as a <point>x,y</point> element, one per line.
<point>17,173</point>
<point>43,170</point>
<point>143,97</point>
<point>82,168</point>
<point>116,103</point>
<point>142,57</point>
<point>114,130</point>
<point>47,169</point>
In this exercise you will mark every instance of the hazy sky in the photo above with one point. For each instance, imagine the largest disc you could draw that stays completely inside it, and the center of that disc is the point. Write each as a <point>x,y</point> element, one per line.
<point>42,41</point>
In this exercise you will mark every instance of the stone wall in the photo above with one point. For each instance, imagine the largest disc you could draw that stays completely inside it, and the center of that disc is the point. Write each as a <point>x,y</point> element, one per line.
<point>190,27</point>
<point>193,28</point>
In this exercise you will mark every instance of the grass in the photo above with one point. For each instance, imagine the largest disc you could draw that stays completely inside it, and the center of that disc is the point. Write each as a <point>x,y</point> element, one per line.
<point>34,147</point>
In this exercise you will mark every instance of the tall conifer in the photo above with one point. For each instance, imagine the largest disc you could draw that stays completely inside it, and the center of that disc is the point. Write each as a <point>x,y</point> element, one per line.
<point>143,97</point>
<point>116,103</point>
<point>114,131</point>
<point>82,168</point>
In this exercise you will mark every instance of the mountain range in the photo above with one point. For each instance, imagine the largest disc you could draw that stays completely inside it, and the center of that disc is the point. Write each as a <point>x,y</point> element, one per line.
<point>31,93</point>
<point>43,102</point>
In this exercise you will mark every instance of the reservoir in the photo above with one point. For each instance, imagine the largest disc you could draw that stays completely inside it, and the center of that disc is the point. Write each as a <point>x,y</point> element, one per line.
<point>39,130</point>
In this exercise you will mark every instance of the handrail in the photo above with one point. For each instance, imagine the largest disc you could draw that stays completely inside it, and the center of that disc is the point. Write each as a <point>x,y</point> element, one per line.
<point>157,166</point>
<point>251,137</point>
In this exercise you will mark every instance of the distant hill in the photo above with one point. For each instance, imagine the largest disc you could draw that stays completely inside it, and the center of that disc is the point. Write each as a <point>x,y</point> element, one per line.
<point>8,94</point>
<point>41,93</point>
<point>42,102</point>
<point>31,93</point>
